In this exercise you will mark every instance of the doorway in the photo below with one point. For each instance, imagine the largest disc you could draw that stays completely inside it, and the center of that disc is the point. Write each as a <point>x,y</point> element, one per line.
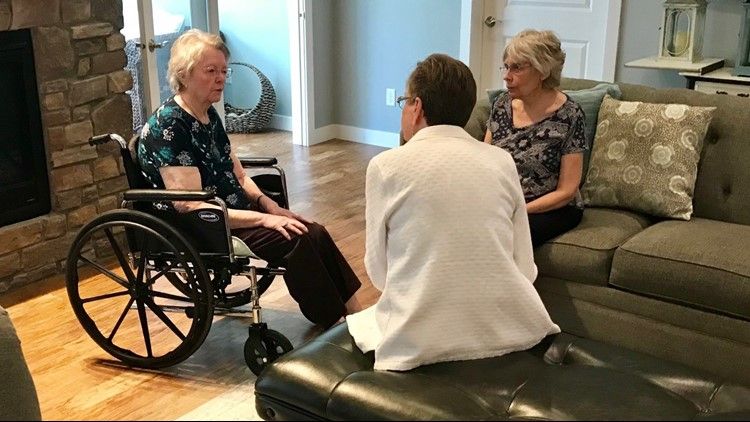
<point>150,28</point>
<point>160,23</point>
<point>588,31</point>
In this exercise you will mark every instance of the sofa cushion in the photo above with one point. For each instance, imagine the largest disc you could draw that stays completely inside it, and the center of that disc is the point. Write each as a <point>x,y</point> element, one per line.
<point>584,254</point>
<point>702,263</point>
<point>562,378</point>
<point>645,157</point>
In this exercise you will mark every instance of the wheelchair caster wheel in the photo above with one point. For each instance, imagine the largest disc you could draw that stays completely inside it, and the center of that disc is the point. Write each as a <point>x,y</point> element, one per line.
<point>263,347</point>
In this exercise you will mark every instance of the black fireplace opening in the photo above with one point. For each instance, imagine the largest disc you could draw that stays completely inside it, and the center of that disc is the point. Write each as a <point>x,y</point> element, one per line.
<point>24,184</point>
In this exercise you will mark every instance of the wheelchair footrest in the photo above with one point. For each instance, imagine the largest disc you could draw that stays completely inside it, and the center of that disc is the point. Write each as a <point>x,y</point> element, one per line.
<point>268,271</point>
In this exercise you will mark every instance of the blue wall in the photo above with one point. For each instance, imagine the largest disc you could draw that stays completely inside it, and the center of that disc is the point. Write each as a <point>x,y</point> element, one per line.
<point>257,33</point>
<point>375,45</point>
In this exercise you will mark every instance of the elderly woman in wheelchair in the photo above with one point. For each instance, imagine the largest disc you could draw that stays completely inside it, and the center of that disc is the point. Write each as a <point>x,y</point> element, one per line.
<point>196,218</point>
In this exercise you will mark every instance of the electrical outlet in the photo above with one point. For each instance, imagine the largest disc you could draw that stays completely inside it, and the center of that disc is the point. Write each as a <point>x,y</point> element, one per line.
<point>229,76</point>
<point>390,97</point>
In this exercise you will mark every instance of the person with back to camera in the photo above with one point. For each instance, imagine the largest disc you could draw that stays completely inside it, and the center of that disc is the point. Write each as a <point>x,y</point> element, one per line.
<point>184,147</point>
<point>447,237</point>
<point>543,130</point>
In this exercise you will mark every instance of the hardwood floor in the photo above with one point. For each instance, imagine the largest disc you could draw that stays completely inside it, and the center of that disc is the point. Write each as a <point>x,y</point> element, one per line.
<point>76,380</point>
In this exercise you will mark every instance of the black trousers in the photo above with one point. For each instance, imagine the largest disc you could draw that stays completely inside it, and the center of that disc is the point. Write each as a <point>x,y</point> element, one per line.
<point>546,225</point>
<point>317,275</point>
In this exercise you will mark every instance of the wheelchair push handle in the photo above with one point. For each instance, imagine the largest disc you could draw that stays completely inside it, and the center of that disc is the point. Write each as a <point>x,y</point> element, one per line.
<point>104,138</point>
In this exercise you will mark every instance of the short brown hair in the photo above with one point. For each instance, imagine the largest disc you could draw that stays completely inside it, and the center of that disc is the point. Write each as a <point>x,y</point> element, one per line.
<point>447,90</point>
<point>186,52</point>
<point>542,50</point>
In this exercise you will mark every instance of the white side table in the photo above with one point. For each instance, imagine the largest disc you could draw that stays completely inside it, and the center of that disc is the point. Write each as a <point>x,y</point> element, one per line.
<point>720,82</point>
<point>701,67</point>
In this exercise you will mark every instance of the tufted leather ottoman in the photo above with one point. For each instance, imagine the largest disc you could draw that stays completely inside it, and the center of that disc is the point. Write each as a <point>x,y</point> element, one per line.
<point>565,377</point>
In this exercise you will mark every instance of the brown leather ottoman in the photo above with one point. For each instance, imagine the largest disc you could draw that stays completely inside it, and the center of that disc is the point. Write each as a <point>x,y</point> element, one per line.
<point>565,377</point>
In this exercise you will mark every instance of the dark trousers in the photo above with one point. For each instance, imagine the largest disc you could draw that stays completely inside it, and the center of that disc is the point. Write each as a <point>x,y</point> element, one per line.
<point>546,225</point>
<point>317,274</point>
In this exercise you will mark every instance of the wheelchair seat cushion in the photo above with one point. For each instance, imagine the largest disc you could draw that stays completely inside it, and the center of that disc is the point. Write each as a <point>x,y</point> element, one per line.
<point>241,249</point>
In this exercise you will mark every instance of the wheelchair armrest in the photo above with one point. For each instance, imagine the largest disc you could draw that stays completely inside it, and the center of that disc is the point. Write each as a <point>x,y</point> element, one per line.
<point>152,195</point>
<point>103,139</point>
<point>258,161</point>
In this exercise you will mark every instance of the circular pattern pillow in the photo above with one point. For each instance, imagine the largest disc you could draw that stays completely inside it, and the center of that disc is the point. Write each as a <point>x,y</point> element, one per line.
<point>645,157</point>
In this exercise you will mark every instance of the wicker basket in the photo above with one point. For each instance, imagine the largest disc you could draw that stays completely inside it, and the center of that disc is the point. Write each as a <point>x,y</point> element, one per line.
<point>241,120</point>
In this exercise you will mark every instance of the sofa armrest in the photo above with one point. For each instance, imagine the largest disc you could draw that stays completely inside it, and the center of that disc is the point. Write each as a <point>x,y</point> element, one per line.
<point>18,399</point>
<point>477,124</point>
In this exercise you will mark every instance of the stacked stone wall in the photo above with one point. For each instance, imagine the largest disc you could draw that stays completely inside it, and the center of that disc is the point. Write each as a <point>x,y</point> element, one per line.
<point>79,59</point>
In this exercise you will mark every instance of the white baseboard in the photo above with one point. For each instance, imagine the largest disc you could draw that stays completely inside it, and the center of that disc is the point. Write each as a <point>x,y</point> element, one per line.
<point>368,136</point>
<point>355,134</point>
<point>324,133</point>
<point>281,122</point>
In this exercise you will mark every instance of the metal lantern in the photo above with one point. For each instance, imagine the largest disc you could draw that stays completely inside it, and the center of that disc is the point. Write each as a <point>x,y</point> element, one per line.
<point>682,30</point>
<point>742,65</point>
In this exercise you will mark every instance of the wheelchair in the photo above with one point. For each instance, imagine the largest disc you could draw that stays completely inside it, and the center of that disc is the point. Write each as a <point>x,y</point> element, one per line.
<point>145,281</point>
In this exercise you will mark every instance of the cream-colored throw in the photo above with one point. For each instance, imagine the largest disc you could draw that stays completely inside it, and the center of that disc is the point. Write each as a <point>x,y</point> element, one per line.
<point>645,157</point>
<point>448,244</point>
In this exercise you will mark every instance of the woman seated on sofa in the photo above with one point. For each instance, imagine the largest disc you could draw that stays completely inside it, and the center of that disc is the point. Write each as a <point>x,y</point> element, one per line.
<point>543,129</point>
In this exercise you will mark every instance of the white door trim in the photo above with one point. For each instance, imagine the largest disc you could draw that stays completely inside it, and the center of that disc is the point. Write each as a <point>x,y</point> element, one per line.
<point>152,95</point>
<point>611,40</point>
<point>471,37</point>
<point>148,61</point>
<point>470,44</point>
<point>212,25</point>
<point>302,70</point>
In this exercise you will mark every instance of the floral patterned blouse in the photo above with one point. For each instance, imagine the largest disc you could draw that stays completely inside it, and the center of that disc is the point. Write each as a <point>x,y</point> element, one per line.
<point>538,148</point>
<point>173,137</point>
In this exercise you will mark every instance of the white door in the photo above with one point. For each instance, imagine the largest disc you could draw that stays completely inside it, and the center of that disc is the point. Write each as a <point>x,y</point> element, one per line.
<point>150,28</point>
<point>588,30</point>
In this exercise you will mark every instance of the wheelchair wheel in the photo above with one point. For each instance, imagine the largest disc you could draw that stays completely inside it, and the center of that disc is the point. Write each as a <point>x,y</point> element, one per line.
<point>118,290</point>
<point>263,347</point>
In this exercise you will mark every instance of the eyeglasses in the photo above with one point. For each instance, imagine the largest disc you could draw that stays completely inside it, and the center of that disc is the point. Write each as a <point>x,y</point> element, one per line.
<point>513,67</point>
<point>212,70</point>
<point>400,100</point>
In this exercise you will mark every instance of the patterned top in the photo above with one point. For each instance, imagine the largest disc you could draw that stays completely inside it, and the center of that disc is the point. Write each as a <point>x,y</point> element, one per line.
<point>173,137</point>
<point>538,148</point>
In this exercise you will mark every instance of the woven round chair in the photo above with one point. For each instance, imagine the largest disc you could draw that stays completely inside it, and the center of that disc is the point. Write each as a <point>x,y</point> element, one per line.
<point>241,120</point>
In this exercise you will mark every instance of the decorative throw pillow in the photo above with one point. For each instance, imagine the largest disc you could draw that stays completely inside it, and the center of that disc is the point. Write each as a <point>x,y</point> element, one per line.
<point>645,157</point>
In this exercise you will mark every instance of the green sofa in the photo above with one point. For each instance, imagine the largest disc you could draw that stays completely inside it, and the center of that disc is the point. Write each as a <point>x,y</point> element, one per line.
<point>655,316</point>
<point>18,399</point>
<point>677,290</point>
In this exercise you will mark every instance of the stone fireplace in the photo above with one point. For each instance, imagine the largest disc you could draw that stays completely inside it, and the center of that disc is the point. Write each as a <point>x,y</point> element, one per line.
<point>79,60</point>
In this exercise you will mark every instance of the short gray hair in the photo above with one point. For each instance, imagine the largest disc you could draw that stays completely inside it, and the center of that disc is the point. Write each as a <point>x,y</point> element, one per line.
<point>187,51</point>
<point>541,49</point>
